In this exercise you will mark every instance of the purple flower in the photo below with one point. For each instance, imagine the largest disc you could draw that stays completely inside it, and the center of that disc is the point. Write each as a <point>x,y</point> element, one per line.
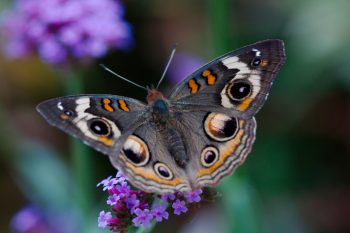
<point>103,219</point>
<point>193,196</point>
<point>159,212</point>
<point>108,183</point>
<point>113,199</point>
<point>179,207</point>
<point>123,188</point>
<point>170,196</point>
<point>129,205</point>
<point>59,30</point>
<point>27,219</point>
<point>143,218</point>
<point>121,178</point>
<point>132,202</point>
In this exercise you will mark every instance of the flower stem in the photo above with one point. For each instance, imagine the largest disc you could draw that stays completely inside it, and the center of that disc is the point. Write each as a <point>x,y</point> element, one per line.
<point>81,158</point>
<point>220,26</point>
<point>146,230</point>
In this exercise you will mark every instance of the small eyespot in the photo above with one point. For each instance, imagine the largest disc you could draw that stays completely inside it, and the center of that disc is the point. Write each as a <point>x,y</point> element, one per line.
<point>256,61</point>
<point>68,113</point>
<point>220,127</point>
<point>209,156</point>
<point>239,90</point>
<point>163,171</point>
<point>99,127</point>
<point>136,151</point>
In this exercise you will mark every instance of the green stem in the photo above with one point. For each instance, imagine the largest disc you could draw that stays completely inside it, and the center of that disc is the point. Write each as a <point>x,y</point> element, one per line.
<point>81,158</point>
<point>220,26</point>
<point>7,137</point>
<point>146,230</point>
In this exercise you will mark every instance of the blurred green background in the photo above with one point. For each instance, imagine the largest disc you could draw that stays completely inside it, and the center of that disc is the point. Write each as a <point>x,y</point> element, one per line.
<point>295,180</point>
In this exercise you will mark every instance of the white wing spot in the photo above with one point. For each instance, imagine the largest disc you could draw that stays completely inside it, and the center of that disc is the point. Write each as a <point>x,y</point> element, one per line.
<point>59,106</point>
<point>234,63</point>
<point>257,52</point>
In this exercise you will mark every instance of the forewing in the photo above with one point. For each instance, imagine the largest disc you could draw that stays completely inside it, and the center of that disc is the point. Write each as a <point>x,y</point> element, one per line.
<point>236,83</point>
<point>100,121</point>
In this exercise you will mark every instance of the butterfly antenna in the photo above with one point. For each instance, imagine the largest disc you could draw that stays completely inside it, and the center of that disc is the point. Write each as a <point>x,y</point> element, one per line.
<point>167,65</point>
<point>121,77</point>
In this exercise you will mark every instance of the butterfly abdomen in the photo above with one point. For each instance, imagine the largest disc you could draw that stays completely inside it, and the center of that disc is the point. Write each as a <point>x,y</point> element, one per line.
<point>172,138</point>
<point>176,146</point>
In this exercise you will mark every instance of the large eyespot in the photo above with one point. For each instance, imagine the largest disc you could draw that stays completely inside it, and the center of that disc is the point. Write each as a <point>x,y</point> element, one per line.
<point>209,156</point>
<point>136,151</point>
<point>99,127</point>
<point>239,90</point>
<point>163,171</point>
<point>220,127</point>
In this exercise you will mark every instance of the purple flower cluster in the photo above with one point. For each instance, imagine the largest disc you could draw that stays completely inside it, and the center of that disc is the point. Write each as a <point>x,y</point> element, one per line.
<point>130,206</point>
<point>62,29</point>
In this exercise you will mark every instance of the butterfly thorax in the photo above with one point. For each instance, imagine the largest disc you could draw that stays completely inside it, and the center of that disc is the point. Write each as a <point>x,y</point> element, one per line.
<point>162,120</point>
<point>158,102</point>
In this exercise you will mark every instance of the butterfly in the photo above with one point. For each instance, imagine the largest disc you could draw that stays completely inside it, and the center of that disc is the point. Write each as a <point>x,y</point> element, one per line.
<point>190,139</point>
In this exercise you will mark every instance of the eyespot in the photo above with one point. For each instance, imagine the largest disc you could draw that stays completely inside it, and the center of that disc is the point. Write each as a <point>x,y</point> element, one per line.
<point>163,171</point>
<point>256,61</point>
<point>239,90</point>
<point>220,127</point>
<point>136,151</point>
<point>99,127</point>
<point>209,156</point>
<point>68,113</point>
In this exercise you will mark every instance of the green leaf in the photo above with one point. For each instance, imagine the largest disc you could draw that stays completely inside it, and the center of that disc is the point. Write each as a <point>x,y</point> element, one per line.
<point>43,177</point>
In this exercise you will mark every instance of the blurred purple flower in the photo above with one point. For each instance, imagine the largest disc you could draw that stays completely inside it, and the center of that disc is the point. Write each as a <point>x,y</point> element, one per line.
<point>131,206</point>
<point>59,30</point>
<point>40,220</point>
<point>143,217</point>
<point>182,66</point>
<point>28,219</point>
<point>179,207</point>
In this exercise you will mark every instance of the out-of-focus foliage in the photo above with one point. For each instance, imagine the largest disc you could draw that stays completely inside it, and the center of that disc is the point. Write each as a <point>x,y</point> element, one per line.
<point>295,180</point>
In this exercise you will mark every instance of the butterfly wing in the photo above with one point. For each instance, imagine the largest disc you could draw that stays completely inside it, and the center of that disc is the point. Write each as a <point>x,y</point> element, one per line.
<point>123,129</point>
<point>100,121</point>
<point>215,109</point>
<point>216,143</point>
<point>148,163</point>
<point>236,83</point>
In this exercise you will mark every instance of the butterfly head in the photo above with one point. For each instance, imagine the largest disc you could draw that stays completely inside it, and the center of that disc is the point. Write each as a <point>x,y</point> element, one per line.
<point>153,95</point>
